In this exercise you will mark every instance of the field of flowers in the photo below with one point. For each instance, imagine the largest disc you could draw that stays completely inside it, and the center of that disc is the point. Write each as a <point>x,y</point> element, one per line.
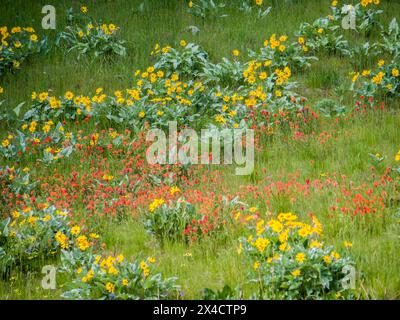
<point>318,217</point>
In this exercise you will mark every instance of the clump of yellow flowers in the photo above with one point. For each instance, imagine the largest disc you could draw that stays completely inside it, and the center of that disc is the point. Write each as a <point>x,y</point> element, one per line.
<point>290,260</point>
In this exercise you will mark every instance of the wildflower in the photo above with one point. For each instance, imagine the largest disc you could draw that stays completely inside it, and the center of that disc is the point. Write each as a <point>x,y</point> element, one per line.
<point>125,282</point>
<point>33,38</point>
<point>261,244</point>
<point>284,236</point>
<point>296,273</point>
<point>15,214</point>
<point>112,270</point>
<point>355,77</point>
<point>110,287</point>
<point>256,265</point>
<point>236,53</point>
<point>155,204</point>
<point>315,244</point>
<point>240,249</point>
<point>275,225</point>
<point>259,2</point>
<point>347,244</point>
<point>220,119</point>
<point>5,143</point>
<point>82,243</point>
<point>145,269</point>
<point>282,38</point>
<point>182,43</point>
<point>108,177</point>
<point>377,79</point>
<point>69,95</point>
<point>366,73</point>
<point>89,275</point>
<point>61,213</point>
<point>395,72</point>
<point>300,257</point>
<point>112,27</point>
<point>43,96</point>
<point>84,9</point>
<point>327,259</point>
<point>253,209</point>
<point>397,157</point>
<point>62,240</point>
<point>284,247</point>
<point>335,255</point>
<point>75,230</point>
<point>174,190</point>
<point>259,227</point>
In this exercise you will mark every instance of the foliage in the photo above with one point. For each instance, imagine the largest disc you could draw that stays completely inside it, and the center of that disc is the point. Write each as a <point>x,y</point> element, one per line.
<point>391,40</point>
<point>85,35</point>
<point>186,61</point>
<point>206,8</point>
<point>324,36</point>
<point>330,108</point>
<point>169,221</point>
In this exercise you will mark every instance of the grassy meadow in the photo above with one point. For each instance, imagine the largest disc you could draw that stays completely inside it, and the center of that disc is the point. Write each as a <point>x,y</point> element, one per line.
<point>340,169</point>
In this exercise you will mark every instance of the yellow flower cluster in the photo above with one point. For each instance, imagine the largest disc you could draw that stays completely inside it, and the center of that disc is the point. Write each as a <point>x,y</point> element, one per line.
<point>108,29</point>
<point>6,142</point>
<point>157,49</point>
<point>109,264</point>
<point>7,37</point>
<point>276,43</point>
<point>283,225</point>
<point>174,190</point>
<point>283,75</point>
<point>82,243</point>
<point>377,79</point>
<point>155,204</point>
<point>145,268</point>
<point>62,239</point>
<point>366,3</point>
<point>397,157</point>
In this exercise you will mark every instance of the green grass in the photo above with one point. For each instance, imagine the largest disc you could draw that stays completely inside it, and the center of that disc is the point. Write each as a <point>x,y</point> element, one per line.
<point>214,263</point>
